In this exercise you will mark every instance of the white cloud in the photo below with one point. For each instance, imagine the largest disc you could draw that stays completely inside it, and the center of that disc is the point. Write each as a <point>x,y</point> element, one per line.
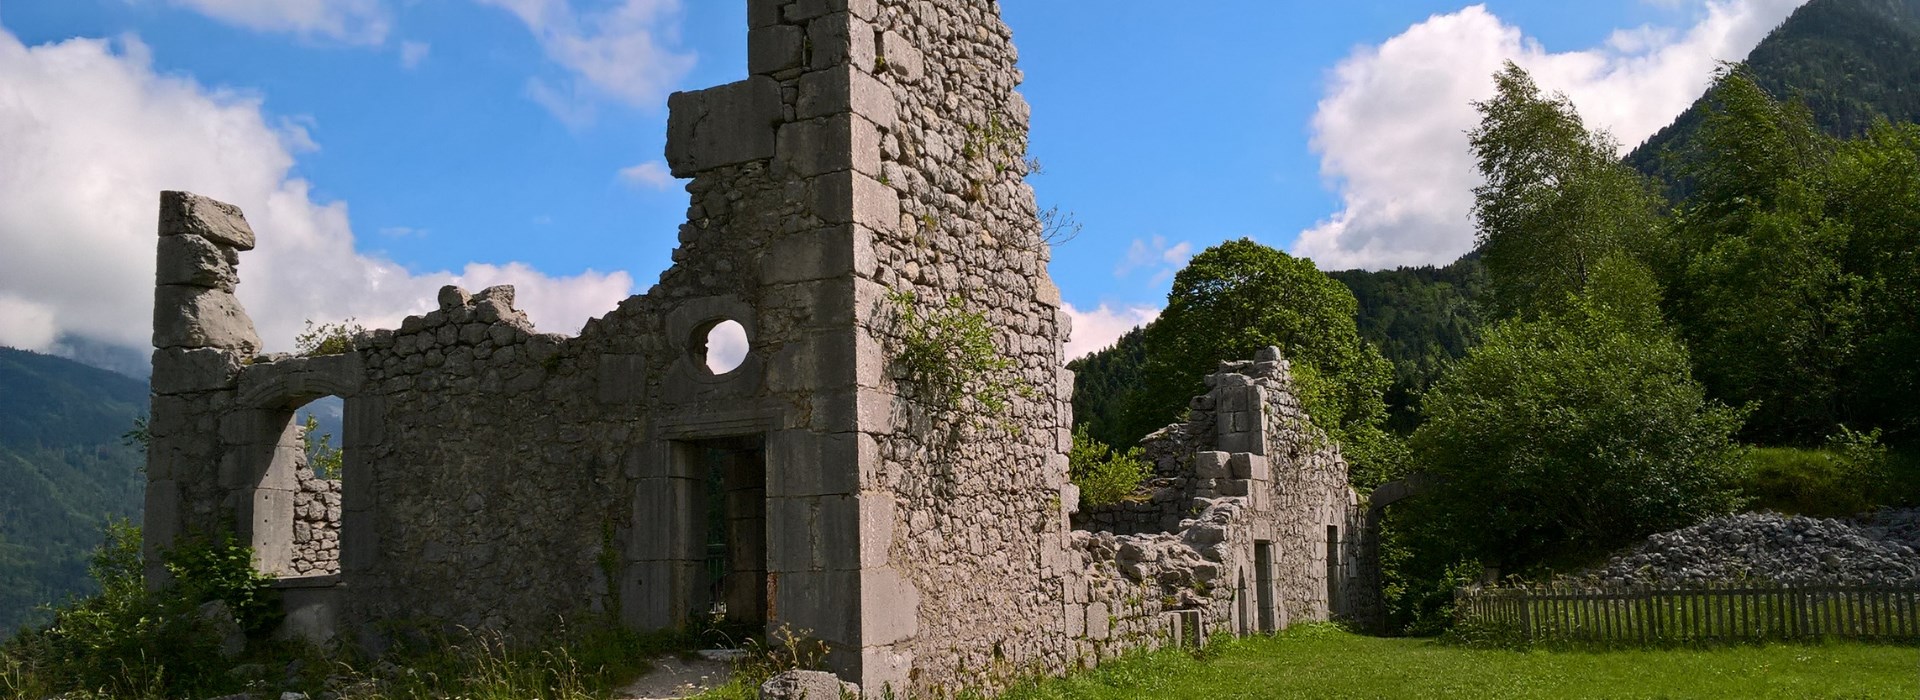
<point>413,53</point>
<point>350,21</point>
<point>92,135</point>
<point>1391,130</point>
<point>1155,255</point>
<point>1099,328</point>
<point>726,346</point>
<point>651,175</point>
<point>26,324</point>
<point>620,52</point>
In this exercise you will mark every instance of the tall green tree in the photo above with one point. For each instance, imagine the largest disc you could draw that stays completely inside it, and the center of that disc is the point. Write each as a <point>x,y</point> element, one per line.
<point>1575,432</point>
<point>1794,276</point>
<point>1556,199</point>
<point>1240,296</point>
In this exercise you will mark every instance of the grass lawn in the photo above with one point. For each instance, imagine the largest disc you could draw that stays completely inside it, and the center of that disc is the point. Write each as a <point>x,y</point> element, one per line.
<point>1324,662</point>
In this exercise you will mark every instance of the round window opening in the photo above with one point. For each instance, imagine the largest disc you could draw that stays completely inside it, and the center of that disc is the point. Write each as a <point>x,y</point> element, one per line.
<point>721,346</point>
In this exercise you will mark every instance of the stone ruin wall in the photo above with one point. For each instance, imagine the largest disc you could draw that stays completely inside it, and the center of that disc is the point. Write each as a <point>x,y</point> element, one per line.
<point>499,478</point>
<point>316,524</point>
<point>976,499</point>
<point>1247,466</point>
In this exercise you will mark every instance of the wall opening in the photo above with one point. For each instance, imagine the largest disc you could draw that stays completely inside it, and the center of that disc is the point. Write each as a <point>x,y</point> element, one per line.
<point>1263,585</point>
<point>1333,568</point>
<point>720,346</point>
<point>731,520</point>
<point>294,519</point>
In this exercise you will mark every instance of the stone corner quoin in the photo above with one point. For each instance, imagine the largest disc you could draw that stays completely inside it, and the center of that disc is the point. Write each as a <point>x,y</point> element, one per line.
<point>493,477</point>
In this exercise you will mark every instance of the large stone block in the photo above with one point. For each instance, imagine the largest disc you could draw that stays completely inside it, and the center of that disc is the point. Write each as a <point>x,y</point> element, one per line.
<point>195,261</point>
<point>1099,624</point>
<point>830,252</point>
<point>841,39</point>
<point>1249,466</point>
<point>1211,465</point>
<point>837,142</point>
<point>183,370</point>
<point>889,607</point>
<point>826,603</point>
<point>197,317</point>
<point>809,9</point>
<point>878,516</point>
<point>219,222</point>
<point>853,197</point>
<point>806,463</point>
<point>807,685</point>
<point>725,125</point>
<point>775,48</point>
<point>902,57</point>
<point>846,89</point>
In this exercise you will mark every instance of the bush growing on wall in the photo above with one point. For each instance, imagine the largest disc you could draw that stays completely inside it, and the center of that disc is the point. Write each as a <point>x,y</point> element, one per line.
<point>1105,475</point>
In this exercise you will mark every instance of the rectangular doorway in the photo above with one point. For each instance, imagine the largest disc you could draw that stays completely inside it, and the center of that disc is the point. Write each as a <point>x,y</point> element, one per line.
<point>1333,570</point>
<point>730,519</point>
<point>1263,584</point>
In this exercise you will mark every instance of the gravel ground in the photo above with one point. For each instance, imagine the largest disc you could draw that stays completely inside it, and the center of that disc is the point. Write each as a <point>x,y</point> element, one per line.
<point>1875,549</point>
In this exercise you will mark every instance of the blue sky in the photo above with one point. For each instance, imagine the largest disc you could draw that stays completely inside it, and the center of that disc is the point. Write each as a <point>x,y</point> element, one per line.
<point>384,147</point>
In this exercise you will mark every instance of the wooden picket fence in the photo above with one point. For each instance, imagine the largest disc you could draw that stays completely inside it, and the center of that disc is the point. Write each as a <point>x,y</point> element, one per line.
<point>1614,613</point>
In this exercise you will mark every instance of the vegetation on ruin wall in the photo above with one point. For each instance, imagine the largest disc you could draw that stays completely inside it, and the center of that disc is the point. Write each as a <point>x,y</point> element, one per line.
<point>1104,474</point>
<point>1313,661</point>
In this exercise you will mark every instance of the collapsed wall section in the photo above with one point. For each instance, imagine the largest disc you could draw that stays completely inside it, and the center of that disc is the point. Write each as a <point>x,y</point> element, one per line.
<point>1249,524</point>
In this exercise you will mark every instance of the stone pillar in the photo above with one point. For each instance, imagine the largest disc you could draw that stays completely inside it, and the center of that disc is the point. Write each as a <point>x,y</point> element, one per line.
<point>201,336</point>
<point>811,113</point>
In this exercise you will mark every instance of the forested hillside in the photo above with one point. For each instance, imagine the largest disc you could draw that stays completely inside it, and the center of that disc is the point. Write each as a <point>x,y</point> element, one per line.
<point>1849,61</point>
<point>64,471</point>
<point>1419,318</point>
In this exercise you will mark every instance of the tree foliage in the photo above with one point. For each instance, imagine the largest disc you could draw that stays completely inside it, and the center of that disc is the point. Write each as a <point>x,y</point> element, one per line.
<point>1105,475</point>
<point>1566,435</point>
<point>65,471</point>
<point>1794,267</point>
<point>1420,318</point>
<point>1850,61</point>
<point>1103,383</point>
<point>1239,296</point>
<point>1556,201</point>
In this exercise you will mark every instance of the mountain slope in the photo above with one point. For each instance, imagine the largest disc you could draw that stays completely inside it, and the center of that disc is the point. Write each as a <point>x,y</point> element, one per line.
<point>1849,61</point>
<point>65,471</point>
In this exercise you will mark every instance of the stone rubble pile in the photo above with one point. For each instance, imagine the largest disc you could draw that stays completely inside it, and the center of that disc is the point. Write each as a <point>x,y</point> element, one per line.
<point>1875,549</point>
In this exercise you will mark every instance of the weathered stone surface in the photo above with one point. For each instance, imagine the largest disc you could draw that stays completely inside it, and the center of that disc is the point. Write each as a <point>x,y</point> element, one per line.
<point>807,685</point>
<point>775,48</point>
<point>845,88</point>
<point>192,260</point>
<point>183,370</point>
<point>197,317</point>
<point>720,126</point>
<point>218,222</point>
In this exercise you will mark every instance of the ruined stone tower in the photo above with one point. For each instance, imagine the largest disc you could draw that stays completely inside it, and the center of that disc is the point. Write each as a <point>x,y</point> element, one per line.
<point>861,477</point>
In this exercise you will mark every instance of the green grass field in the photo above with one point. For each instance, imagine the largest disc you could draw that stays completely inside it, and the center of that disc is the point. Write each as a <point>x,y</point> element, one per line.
<point>1324,662</point>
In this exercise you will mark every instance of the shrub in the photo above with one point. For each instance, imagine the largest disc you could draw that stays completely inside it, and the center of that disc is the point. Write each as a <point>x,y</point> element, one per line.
<point>1105,475</point>
<point>124,642</point>
<point>326,338</point>
<point>1563,437</point>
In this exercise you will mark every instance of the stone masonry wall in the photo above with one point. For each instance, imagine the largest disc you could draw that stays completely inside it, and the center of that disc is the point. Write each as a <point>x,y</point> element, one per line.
<point>868,170</point>
<point>1283,484</point>
<point>316,525</point>
<point>977,498</point>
